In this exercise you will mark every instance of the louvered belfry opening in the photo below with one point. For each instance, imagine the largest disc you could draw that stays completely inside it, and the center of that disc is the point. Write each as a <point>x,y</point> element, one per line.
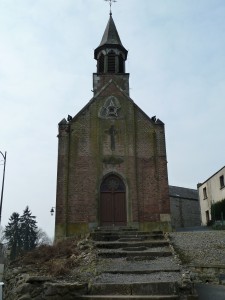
<point>101,63</point>
<point>111,62</point>
<point>121,64</point>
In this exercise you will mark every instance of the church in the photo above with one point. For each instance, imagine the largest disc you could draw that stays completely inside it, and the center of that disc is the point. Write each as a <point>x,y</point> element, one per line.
<point>112,164</point>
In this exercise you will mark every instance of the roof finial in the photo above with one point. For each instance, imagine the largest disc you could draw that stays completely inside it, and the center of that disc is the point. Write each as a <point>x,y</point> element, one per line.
<point>110,4</point>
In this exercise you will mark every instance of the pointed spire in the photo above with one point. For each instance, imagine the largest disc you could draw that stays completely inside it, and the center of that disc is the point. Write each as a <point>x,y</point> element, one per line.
<point>111,36</point>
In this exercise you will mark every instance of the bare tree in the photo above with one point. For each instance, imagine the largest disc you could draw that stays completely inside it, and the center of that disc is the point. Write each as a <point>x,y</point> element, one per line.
<point>43,238</point>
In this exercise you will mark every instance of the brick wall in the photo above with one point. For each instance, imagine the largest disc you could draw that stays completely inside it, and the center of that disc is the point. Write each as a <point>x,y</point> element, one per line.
<point>85,156</point>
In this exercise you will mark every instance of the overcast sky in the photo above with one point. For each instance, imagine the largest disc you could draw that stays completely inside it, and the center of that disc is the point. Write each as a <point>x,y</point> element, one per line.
<point>176,62</point>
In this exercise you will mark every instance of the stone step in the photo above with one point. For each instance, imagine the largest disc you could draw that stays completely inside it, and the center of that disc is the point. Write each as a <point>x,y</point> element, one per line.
<point>143,236</point>
<point>136,268</point>
<point>139,233</point>
<point>146,271</point>
<point>109,237</point>
<point>130,278</point>
<point>135,288</point>
<point>128,297</point>
<point>131,239</point>
<point>124,229</point>
<point>147,254</point>
<point>115,235</point>
<point>135,248</point>
<point>125,265</point>
<point>122,244</point>
<point>123,232</point>
<point>115,229</point>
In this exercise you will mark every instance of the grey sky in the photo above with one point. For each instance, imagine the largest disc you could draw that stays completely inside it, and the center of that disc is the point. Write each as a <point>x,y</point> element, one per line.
<point>176,62</point>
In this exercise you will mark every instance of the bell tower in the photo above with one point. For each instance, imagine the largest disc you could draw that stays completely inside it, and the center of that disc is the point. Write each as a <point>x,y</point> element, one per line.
<point>111,59</point>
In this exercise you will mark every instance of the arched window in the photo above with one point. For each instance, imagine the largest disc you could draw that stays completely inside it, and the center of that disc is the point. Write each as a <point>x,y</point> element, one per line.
<point>101,63</point>
<point>113,183</point>
<point>121,64</point>
<point>111,62</point>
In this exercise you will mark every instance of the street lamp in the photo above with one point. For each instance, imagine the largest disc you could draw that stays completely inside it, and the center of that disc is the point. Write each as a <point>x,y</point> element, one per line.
<point>3,181</point>
<point>52,211</point>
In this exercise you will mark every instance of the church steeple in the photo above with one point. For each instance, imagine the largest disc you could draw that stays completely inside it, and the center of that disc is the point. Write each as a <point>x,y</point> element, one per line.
<point>110,54</point>
<point>111,36</point>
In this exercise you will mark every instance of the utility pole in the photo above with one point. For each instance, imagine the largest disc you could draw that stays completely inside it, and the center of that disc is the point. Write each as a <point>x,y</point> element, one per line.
<point>3,181</point>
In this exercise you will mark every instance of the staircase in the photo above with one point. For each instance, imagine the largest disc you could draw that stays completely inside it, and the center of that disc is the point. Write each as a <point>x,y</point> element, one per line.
<point>136,265</point>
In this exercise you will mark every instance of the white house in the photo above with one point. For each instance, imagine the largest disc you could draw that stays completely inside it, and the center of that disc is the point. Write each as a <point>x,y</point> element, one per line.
<point>210,191</point>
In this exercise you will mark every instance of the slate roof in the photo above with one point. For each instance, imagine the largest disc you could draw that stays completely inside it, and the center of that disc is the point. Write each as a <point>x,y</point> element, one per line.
<point>181,192</point>
<point>110,36</point>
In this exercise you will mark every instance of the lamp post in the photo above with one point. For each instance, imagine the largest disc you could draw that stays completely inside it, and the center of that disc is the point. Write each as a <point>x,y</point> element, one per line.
<point>3,181</point>
<point>52,211</point>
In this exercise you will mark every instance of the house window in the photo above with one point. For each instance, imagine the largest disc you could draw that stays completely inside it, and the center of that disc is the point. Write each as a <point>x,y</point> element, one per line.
<point>205,193</point>
<point>221,181</point>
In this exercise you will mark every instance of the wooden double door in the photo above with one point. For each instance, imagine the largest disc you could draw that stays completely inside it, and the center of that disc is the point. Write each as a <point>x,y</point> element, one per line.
<point>113,202</point>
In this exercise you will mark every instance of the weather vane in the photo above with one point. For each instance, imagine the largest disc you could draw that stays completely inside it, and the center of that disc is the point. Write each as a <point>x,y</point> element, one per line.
<point>110,4</point>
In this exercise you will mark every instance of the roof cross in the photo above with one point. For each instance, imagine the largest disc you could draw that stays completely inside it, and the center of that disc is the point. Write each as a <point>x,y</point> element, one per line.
<point>110,4</point>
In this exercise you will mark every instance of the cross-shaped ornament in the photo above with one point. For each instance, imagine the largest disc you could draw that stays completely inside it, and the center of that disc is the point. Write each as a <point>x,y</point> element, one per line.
<point>112,132</point>
<point>110,4</point>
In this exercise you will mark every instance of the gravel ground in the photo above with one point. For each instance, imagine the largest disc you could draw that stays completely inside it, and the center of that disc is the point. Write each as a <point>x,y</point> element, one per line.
<point>200,248</point>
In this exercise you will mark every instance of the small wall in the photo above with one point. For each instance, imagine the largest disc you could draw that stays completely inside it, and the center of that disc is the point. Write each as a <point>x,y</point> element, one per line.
<point>211,274</point>
<point>20,285</point>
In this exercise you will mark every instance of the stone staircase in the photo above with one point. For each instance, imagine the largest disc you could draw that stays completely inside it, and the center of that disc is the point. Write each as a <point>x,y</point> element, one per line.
<point>136,265</point>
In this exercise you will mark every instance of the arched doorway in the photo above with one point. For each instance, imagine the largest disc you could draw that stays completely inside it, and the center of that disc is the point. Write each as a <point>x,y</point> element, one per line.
<point>113,202</point>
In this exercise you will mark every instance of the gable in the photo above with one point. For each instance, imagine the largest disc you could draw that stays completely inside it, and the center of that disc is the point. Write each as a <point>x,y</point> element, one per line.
<point>109,90</point>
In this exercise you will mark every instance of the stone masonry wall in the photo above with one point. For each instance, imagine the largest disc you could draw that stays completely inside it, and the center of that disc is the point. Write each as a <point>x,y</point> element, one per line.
<point>184,212</point>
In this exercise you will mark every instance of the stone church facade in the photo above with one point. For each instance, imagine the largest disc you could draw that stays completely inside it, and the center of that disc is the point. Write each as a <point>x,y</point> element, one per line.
<point>112,165</point>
